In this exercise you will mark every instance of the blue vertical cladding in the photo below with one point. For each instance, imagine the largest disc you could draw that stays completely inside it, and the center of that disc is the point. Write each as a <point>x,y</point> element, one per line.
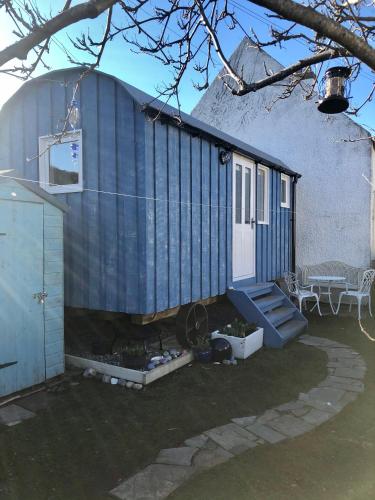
<point>153,228</point>
<point>273,240</point>
<point>104,230</point>
<point>185,220</point>
<point>187,250</point>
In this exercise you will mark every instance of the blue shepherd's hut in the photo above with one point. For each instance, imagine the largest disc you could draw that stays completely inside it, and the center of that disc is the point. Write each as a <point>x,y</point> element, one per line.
<point>164,209</point>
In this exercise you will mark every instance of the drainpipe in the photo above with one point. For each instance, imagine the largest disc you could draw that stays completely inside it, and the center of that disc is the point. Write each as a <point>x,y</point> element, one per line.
<point>293,219</point>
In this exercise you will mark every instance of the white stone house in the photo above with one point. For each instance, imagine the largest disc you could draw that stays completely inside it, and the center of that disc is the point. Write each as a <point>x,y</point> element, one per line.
<point>335,201</point>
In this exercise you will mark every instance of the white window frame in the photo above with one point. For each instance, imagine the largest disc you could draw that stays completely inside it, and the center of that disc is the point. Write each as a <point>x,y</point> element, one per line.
<point>266,219</point>
<point>285,178</point>
<point>45,143</point>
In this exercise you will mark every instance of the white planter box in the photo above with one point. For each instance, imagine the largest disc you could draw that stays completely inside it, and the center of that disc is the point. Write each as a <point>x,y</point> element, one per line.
<point>242,348</point>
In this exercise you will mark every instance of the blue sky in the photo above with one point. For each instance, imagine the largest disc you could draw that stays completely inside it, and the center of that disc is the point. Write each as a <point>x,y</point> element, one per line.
<point>147,73</point>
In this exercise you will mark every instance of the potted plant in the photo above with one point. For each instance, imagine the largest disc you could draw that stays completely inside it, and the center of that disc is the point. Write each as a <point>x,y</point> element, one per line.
<point>134,356</point>
<point>202,349</point>
<point>245,338</point>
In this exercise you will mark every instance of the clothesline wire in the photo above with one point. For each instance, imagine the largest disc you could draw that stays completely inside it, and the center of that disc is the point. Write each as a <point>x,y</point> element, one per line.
<point>155,199</point>
<point>134,196</point>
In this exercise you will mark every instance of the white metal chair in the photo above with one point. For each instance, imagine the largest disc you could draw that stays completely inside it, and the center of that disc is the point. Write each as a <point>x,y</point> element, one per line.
<point>363,291</point>
<point>300,292</point>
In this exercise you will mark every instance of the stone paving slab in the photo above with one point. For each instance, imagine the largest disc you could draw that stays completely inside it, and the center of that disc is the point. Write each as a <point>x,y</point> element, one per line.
<point>347,363</point>
<point>298,412</point>
<point>176,456</point>
<point>265,432</point>
<point>290,426</point>
<point>244,421</point>
<point>13,414</point>
<point>154,482</point>
<point>316,417</point>
<point>232,438</point>
<point>267,416</point>
<point>325,394</point>
<point>345,384</point>
<point>206,458</point>
<point>197,441</point>
<point>356,373</point>
<point>292,405</point>
<point>323,406</point>
<point>340,352</point>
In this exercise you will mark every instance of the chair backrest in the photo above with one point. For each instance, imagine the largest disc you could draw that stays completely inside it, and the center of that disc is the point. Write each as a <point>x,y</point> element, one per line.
<point>367,281</point>
<point>353,275</point>
<point>291,282</point>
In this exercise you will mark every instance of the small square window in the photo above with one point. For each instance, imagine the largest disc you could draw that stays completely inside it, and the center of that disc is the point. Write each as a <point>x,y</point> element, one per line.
<point>263,195</point>
<point>285,191</point>
<point>60,162</point>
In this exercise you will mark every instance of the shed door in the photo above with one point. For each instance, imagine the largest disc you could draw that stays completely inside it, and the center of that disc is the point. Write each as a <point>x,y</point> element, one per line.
<point>243,218</point>
<point>22,357</point>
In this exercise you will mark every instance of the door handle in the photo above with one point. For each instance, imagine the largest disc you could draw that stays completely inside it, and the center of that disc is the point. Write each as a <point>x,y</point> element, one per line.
<point>40,297</point>
<point>252,222</point>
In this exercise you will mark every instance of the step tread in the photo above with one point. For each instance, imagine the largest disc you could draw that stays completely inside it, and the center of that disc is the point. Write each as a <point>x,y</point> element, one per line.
<point>291,328</point>
<point>280,314</point>
<point>256,290</point>
<point>269,301</point>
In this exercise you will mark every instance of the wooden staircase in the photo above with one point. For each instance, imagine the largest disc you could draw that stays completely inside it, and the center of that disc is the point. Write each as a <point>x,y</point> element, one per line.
<point>267,305</point>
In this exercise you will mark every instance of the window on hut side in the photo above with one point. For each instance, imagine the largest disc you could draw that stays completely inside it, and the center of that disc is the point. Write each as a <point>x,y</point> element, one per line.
<point>263,195</point>
<point>60,163</point>
<point>285,191</point>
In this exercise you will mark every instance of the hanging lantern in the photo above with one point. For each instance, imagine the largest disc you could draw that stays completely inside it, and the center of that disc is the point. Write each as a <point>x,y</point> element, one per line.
<point>74,114</point>
<point>335,90</point>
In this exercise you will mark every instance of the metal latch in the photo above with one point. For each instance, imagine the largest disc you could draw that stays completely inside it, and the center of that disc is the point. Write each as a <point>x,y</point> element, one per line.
<point>41,297</point>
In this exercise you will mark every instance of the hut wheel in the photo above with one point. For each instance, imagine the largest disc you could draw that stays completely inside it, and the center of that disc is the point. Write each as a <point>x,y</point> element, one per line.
<point>192,324</point>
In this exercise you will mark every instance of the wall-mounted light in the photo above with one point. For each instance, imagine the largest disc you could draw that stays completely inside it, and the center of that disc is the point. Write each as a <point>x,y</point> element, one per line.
<point>335,89</point>
<point>225,156</point>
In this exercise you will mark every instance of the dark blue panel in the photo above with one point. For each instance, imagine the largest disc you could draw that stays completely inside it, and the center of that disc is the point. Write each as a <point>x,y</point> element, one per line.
<point>185,223</point>
<point>222,229</point>
<point>90,202</point>
<point>161,193</point>
<point>214,199</point>
<point>196,187</point>
<point>107,202</point>
<point>205,223</point>
<point>228,209</point>
<point>174,215</point>
<point>150,286</point>
<point>139,264</point>
<point>30,121</point>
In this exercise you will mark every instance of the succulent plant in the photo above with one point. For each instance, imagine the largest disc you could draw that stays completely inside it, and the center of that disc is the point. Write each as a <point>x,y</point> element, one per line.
<point>239,328</point>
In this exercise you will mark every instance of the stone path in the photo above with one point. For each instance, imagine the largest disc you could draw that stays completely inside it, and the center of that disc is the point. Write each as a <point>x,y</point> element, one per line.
<point>174,466</point>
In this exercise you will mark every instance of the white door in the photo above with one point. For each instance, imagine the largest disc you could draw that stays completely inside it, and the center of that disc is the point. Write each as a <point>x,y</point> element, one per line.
<point>243,218</point>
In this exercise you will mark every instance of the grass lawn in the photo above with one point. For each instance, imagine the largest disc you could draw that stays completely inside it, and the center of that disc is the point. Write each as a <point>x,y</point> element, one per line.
<point>93,435</point>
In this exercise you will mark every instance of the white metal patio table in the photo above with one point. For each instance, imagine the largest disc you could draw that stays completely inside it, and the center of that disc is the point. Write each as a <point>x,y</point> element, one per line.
<point>326,281</point>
